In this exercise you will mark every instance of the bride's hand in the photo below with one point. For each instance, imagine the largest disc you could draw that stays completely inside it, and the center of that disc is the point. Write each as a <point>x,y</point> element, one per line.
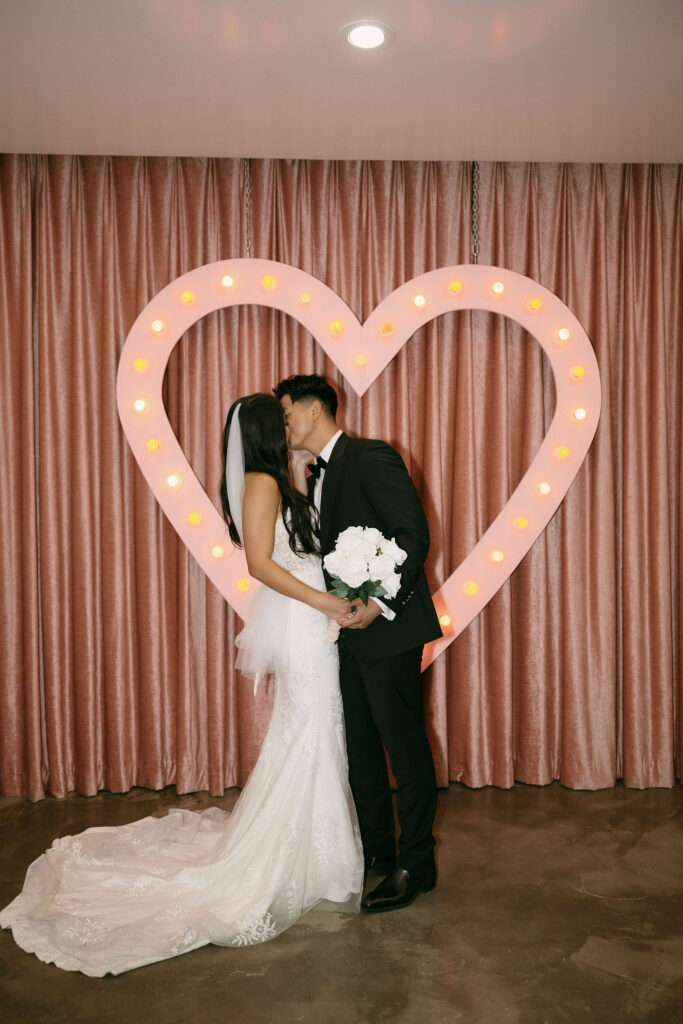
<point>298,461</point>
<point>333,607</point>
<point>301,457</point>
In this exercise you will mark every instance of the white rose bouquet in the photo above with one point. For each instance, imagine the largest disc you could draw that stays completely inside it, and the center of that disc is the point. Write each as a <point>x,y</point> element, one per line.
<point>363,564</point>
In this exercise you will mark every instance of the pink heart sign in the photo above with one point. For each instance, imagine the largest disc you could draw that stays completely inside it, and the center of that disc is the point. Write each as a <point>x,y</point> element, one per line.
<point>361,352</point>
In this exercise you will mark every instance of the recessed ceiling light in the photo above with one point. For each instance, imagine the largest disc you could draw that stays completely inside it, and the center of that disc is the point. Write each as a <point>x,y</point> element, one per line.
<point>368,35</point>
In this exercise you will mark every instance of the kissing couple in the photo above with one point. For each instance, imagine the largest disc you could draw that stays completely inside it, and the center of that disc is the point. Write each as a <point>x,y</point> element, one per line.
<point>315,818</point>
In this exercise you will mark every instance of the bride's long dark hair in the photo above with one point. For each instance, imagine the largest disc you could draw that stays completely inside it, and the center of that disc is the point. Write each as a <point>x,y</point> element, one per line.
<point>264,441</point>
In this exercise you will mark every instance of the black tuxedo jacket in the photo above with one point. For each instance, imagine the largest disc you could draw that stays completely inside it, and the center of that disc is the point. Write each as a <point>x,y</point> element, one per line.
<point>366,483</point>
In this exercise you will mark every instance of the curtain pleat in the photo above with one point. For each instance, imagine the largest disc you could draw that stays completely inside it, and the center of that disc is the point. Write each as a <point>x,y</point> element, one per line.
<point>118,655</point>
<point>21,699</point>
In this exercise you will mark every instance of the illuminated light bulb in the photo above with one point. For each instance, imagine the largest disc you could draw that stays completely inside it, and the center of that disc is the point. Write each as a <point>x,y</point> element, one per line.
<point>366,37</point>
<point>521,522</point>
<point>306,298</point>
<point>217,551</point>
<point>579,414</point>
<point>157,326</point>
<point>227,280</point>
<point>173,480</point>
<point>141,365</point>
<point>269,282</point>
<point>455,287</point>
<point>336,327</point>
<point>187,297</point>
<point>361,359</point>
<point>562,452</point>
<point>153,444</point>
<point>387,329</point>
<point>498,287</point>
<point>535,304</point>
<point>419,301</point>
<point>471,588</point>
<point>497,555</point>
<point>194,518</point>
<point>578,372</point>
<point>564,334</point>
<point>445,620</point>
<point>139,405</point>
<point>243,584</point>
<point>544,487</point>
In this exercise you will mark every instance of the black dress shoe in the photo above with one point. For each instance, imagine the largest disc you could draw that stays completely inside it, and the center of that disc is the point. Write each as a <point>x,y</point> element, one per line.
<point>399,890</point>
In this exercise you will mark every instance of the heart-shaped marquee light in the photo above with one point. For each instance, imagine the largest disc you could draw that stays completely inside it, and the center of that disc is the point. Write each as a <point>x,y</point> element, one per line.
<point>361,352</point>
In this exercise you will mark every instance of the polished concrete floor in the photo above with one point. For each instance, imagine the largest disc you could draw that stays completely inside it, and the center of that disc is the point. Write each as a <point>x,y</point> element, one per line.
<point>551,906</point>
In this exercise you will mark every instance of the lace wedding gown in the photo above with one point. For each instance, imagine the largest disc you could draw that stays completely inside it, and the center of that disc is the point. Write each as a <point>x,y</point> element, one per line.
<point>112,899</point>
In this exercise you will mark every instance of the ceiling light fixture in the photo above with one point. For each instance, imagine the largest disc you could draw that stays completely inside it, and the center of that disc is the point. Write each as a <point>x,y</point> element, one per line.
<point>368,35</point>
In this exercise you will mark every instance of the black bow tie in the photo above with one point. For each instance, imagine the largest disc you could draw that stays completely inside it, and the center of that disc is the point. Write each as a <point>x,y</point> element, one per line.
<point>316,467</point>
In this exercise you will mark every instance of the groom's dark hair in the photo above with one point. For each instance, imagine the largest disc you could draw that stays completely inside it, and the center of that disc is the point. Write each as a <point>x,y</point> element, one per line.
<point>309,386</point>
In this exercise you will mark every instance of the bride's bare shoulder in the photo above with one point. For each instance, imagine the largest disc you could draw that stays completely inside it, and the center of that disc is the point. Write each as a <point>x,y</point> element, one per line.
<point>261,485</point>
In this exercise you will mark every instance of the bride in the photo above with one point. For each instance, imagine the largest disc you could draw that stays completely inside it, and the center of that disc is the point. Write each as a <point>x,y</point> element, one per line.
<point>112,899</point>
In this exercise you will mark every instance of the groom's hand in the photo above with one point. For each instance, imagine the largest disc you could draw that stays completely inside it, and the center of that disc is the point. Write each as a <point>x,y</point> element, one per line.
<point>361,615</point>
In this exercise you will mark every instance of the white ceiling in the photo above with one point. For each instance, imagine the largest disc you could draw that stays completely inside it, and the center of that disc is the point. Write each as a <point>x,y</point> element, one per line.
<point>574,80</point>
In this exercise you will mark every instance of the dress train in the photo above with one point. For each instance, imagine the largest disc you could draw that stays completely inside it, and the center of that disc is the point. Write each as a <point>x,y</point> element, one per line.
<point>112,899</point>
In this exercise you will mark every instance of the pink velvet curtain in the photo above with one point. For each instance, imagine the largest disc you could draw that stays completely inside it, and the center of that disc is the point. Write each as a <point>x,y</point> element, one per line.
<point>117,654</point>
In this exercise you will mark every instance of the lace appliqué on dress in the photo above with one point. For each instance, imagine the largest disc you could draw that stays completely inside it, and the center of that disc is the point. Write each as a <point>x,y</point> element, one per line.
<point>252,932</point>
<point>85,931</point>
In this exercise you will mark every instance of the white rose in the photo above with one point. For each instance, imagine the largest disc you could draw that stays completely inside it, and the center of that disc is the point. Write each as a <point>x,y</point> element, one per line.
<point>355,571</point>
<point>348,537</point>
<point>391,548</point>
<point>353,549</point>
<point>373,535</point>
<point>391,584</point>
<point>358,545</point>
<point>333,563</point>
<point>369,548</point>
<point>380,566</point>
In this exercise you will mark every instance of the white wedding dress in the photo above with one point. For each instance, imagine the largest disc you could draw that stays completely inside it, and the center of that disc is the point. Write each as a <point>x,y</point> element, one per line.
<point>112,899</point>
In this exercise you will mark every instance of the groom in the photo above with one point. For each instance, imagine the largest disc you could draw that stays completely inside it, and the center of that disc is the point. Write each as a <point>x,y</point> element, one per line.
<point>358,482</point>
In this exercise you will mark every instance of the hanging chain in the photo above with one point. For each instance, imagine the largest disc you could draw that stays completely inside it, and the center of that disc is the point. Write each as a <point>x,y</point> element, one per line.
<point>475,211</point>
<point>247,205</point>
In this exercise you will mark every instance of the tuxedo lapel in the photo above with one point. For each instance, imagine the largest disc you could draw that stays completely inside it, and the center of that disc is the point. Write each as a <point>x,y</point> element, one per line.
<point>331,483</point>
